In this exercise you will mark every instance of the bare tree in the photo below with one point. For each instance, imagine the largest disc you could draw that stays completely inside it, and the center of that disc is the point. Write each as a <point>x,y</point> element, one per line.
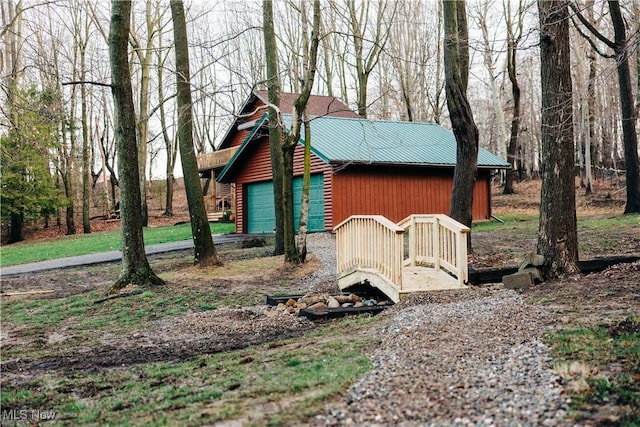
<point>66,114</point>
<point>490,46</point>
<point>557,235</point>
<point>620,47</point>
<point>275,129</point>
<point>415,46</point>
<point>368,39</point>
<point>135,267</point>
<point>584,84</point>
<point>102,135</point>
<point>143,45</point>
<point>456,68</point>
<point>300,116</point>
<point>334,57</point>
<point>283,142</point>
<point>108,150</point>
<point>514,36</point>
<point>170,141</point>
<point>205,250</point>
<point>81,27</point>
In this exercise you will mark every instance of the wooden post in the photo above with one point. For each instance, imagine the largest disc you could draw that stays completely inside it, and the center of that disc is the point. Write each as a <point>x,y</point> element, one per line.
<point>436,244</point>
<point>413,236</point>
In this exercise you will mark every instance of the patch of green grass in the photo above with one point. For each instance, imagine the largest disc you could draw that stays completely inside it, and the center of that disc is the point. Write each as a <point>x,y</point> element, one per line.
<point>597,235</point>
<point>300,373</point>
<point>584,358</point>
<point>207,307</point>
<point>210,388</point>
<point>82,244</point>
<point>525,223</point>
<point>610,221</point>
<point>543,299</point>
<point>518,226</point>
<point>78,316</point>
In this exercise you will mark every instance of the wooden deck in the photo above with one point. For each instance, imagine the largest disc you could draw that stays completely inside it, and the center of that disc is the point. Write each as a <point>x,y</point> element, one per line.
<point>418,279</point>
<point>215,160</point>
<point>421,253</point>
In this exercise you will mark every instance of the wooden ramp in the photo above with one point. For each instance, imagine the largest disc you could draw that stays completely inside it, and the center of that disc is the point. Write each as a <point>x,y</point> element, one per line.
<point>421,253</point>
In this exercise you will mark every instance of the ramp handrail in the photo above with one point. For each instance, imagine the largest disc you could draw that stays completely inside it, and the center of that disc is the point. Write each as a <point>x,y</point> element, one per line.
<point>370,241</point>
<point>438,240</point>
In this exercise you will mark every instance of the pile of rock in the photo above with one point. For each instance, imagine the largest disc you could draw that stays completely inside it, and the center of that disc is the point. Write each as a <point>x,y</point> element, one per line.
<point>320,302</point>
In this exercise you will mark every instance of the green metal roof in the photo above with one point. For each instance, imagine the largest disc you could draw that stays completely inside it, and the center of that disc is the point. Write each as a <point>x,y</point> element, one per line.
<point>345,140</point>
<point>363,141</point>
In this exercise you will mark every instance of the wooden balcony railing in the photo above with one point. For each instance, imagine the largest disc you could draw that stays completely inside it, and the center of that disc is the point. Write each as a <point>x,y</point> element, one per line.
<point>370,241</point>
<point>216,159</point>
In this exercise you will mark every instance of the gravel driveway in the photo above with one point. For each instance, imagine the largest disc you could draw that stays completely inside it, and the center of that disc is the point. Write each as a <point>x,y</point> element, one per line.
<point>469,357</point>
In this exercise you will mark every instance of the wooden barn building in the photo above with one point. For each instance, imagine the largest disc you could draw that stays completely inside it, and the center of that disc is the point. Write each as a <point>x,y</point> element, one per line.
<point>358,166</point>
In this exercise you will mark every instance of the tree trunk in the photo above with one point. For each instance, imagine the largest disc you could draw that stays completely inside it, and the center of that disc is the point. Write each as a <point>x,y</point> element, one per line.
<point>144,54</point>
<point>456,63</point>
<point>591,107</point>
<point>275,131</point>
<point>513,40</point>
<point>69,165</point>
<point>11,65</point>
<point>70,212</point>
<point>106,207</point>
<point>168,210</point>
<point>135,267</point>
<point>620,46</point>
<point>436,104</point>
<point>205,250</point>
<point>512,149</point>
<point>557,235</point>
<point>306,187</point>
<point>169,143</point>
<point>16,227</point>
<point>628,110</point>
<point>86,154</point>
<point>490,65</point>
<point>290,249</point>
<point>291,138</point>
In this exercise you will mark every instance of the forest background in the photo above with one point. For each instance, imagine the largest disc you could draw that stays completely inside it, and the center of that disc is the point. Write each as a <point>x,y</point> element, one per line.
<point>383,59</point>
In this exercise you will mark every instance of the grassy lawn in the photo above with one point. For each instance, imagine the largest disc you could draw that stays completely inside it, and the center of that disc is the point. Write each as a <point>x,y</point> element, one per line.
<point>527,224</point>
<point>82,244</point>
<point>583,357</point>
<point>208,388</point>
<point>597,234</point>
<point>204,388</point>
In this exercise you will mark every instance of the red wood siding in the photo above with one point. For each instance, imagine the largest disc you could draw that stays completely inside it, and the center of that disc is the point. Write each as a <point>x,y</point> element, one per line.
<point>399,192</point>
<point>240,135</point>
<point>257,167</point>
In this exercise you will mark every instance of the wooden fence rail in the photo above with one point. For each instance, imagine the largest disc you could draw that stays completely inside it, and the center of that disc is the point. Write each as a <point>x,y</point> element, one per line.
<point>439,241</point>
<point>370,241</point>
<point>374,242</point>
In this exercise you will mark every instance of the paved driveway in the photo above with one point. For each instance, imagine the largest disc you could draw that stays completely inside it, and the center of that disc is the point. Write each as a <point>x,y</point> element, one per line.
<point>113,256</point>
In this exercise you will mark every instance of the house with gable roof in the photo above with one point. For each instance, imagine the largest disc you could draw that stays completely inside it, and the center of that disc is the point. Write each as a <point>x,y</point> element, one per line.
<point>220,196</point>
<point>358,167</point>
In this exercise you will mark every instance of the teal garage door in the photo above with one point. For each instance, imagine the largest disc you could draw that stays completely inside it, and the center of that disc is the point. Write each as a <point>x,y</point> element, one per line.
<point>261,214</point>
